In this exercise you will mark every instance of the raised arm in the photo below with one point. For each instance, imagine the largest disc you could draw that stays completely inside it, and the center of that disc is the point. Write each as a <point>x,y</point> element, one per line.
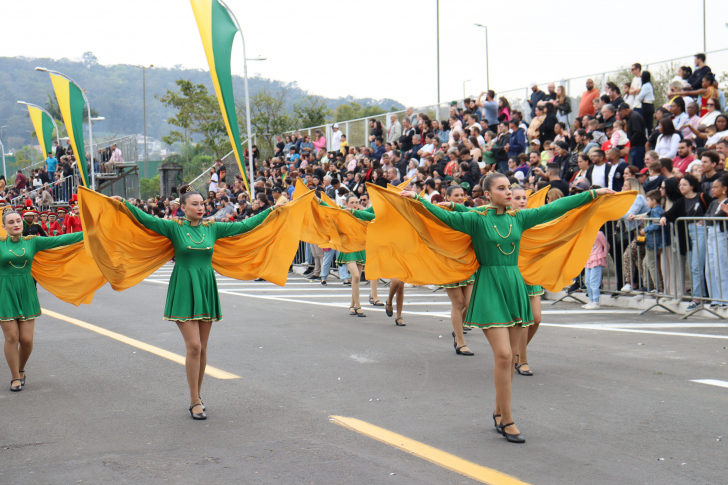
<point>549,212</point>
<point>230,229</point>
<point>460,221</point>
<point>43,243</point>
<point>364,215</point>
<point>160,226</point>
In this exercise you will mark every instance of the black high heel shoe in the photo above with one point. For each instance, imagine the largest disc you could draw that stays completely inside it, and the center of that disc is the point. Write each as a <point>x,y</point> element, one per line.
<point>199,416</point>
<point>513,438</point>
<point>399,321</point>
<point>204,408</point>
<point>523,372</point>
<point>463,352</point>
<point>22,381</point>
<point>359,312</point>
<point>389,310</point>
<point>495,423</point>
<point>16,388</point>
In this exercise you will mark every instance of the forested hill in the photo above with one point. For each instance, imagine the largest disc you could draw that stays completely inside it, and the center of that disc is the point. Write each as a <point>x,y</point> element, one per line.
<point>115,92</point>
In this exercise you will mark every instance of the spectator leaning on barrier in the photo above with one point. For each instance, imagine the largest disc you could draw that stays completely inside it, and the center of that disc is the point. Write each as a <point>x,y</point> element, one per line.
<point>586,104</point>
<point>654,243</point>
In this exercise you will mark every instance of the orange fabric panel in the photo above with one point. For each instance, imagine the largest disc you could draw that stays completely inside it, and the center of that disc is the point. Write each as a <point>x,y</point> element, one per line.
<point>537,199</point>
<point>407,242</point>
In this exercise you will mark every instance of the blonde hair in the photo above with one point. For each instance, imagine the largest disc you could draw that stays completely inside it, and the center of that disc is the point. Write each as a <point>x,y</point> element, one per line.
<point>554,194</point>
<point>634,184</point>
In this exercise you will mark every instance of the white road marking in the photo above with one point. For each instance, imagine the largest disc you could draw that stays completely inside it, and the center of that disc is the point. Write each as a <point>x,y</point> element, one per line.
<point>711,382</point>
<point>630,330</point>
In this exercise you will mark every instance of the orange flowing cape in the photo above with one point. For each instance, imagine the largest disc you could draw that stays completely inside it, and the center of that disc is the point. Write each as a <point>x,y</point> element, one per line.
<point>126,252</point>
<point>331,227</point>
<point>407,242</point>
<point>68,272</point>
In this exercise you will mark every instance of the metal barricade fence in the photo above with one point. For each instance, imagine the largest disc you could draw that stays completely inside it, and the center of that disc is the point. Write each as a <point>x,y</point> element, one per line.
<point>706,239</point>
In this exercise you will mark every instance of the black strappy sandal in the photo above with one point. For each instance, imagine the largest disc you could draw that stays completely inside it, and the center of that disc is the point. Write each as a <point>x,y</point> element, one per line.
<point>22,381</point>
<point>463,352</point>
<point>389,310</point>
<point>523,372</point>
<point>399,321</point>
<point>495,423</point>
<point>352,311</point>
<point>199,416</point>
<point>16,388</point>
<point>358,314</point>
<point>204,408</point>
<point>512,438</point>
<point>374,302</point>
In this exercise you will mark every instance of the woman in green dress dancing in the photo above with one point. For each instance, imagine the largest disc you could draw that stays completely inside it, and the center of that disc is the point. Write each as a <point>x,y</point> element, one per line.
<point>192,298</point>
<point>19,304</point>
<point>500,303</point>
<point>355,261</point>
<point>459,293</point>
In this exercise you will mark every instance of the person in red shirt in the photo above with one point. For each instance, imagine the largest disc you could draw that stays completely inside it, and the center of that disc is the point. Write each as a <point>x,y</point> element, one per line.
<point>73,221</point>
<point>684,155</point>
<point>54,228</point>
<point>62,216</point>
<point>44,221</point>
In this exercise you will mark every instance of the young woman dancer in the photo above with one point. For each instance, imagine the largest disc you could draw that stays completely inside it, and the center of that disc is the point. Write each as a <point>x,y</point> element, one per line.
<point>500,303</point>
<point>459,293</point>
<point>519,201</point>
<point>19,304</point>
<point>193,302</point>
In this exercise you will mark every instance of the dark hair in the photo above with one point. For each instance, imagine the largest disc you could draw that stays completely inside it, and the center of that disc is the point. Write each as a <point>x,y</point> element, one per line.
<point>453,188</point>
<point>672,191</point>
<point>694,182</point>
<point>680,103</point>
<point>668,128</point>
<point>654,195</point>
<point>700,56</point>
<point>491,93</point>
<point>187,191</point>
<point>646,78</point>
<point>712,156</point>
<point>688,142</point>
<point>637,65</point>
<point>490,180</point>
<point>666,163</point>
<point>605,98</point>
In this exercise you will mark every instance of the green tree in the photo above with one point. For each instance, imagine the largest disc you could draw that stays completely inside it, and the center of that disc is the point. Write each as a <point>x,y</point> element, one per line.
<point>354,111</point>
<point>268,117</point>
<point>311,111</point>
<point>149,187</point>
<point>198,113</point>
<point>51,106</point>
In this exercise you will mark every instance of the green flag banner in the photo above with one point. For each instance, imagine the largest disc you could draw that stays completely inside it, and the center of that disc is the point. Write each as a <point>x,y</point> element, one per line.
<point>43,125</point>
<point>71,102</point>
<point>217,31</point>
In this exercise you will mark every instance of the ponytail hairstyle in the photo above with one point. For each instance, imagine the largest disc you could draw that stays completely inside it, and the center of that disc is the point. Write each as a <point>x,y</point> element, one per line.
<point>7,210</point>
<point>185,192</point>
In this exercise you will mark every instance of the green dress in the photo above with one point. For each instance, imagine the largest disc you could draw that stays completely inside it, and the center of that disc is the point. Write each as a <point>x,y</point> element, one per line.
<point>471,280</point>
<point>18,294</point>
<point>192,292</point>
<point>358,257</point>
<point>500,297</point>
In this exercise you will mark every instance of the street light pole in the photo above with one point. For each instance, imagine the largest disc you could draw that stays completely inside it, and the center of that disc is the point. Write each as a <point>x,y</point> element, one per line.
<point>437,15</point>
<point>5,172</point>
<point>144,103</point>
<point>90,132</point>
<point>466,81</point>
<point>704,48</point>
<point>487,58</point>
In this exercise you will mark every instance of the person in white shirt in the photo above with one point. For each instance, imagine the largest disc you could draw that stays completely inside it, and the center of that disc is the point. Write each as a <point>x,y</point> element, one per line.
<point>668,141</point>
<point>116,157</point>
<point>335,138</point>
<point>636,85</point>
<point>213,180</point>
<point>395,129</point>
<point>646,97</point>
<point>598,170</point>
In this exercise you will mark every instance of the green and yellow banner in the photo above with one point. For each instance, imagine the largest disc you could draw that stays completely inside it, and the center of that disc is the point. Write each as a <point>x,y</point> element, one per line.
<point>43,125</point>
<point>217,31</point>
<point>71,102</point>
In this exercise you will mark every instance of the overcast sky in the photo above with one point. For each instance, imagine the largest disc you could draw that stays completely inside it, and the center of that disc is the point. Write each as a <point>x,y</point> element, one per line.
<point>377,48</point>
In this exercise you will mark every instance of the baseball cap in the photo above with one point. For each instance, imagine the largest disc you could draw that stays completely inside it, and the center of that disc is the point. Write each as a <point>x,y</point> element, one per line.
<point>535,142</point>
<point>644,171</point>
<point>336,125</point>
<point>582,185</point>
<point>532,85</point>
<point>563,145</point>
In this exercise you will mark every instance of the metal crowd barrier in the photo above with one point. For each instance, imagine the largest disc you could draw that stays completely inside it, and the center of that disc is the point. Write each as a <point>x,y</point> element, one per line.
<point>693,267</point>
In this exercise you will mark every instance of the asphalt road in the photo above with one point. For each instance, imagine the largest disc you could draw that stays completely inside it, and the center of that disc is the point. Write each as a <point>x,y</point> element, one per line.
<point>612,400</point>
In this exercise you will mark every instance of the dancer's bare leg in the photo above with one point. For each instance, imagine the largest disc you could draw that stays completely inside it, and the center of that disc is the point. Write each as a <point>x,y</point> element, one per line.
<point>191,334</point>
<point>502,341</point>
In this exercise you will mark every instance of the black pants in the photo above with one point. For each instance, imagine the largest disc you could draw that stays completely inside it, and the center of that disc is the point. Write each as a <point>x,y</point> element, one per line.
<point>648,114</point>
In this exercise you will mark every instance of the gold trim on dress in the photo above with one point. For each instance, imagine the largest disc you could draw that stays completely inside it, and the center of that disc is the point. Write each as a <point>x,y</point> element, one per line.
<point>16,267</point>
<point>18,255</point>
<point>510,228</point>
<point>200,249</point>
<point>196,242</point>
<point>507,254</point>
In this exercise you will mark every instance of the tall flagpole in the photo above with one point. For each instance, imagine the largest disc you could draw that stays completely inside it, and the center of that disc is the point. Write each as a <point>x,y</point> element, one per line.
<point>251,179</point>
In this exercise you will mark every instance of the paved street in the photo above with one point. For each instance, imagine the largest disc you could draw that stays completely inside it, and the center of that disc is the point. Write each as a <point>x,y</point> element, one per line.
<point>613,399</point>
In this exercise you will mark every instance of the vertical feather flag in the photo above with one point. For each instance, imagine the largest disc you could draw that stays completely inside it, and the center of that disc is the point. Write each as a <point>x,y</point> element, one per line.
<point>71,102</point>
<point>217,31</point>
<point>43,125</point>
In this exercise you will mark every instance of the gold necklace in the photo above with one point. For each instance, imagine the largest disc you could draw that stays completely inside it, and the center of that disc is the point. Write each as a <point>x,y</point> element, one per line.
<point>507,254</point>
<point>510,227</point>
<point>196,242</point>
<point>18,255</point>
<point>16,267</point>
<point>200,249</point>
